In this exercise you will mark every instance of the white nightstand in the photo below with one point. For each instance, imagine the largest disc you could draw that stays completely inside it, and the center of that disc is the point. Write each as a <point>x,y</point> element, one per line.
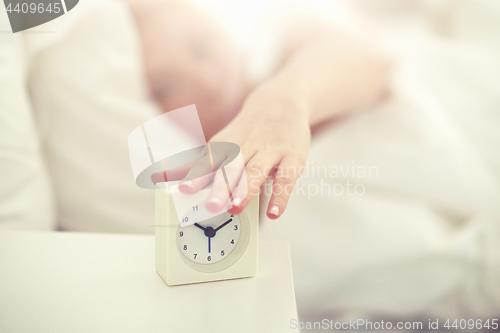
<point>79,282</point>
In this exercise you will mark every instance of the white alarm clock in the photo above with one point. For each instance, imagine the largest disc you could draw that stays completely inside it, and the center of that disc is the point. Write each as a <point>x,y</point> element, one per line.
<point>208,249</point>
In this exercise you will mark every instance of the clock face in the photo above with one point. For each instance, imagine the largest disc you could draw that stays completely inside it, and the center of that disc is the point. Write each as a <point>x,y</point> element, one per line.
<point>208,241</point>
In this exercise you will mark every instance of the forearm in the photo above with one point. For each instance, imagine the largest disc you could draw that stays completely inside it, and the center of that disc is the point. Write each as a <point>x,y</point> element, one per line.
<point>330,76</point>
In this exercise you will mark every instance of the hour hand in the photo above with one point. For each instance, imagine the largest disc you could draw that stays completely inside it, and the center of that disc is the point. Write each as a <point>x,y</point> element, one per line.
<point>199,226</point>
<point>223,224</point>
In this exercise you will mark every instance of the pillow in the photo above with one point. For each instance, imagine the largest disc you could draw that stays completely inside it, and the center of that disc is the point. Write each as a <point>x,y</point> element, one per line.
<point>26,200</point>
<point>89,93</point>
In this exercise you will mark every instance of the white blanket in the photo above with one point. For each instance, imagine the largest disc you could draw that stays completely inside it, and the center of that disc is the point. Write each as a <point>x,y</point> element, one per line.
<point>423,240</point>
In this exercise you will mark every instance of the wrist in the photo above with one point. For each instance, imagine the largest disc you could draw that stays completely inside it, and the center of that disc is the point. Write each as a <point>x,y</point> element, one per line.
<point>275,100</point>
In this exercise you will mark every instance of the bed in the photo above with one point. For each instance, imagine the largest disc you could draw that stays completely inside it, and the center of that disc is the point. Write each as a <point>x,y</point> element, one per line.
<point>413,234</point>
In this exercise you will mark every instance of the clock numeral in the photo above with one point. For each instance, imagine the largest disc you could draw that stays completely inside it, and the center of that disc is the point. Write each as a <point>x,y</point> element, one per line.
<point>222,253</point>
<point>185,219</point>
<point>185,247</point>
<point>195,208</point>
<point>236,227</point>
<point>195,255</point>
<point>181,234</point>
<point>232,241</point>
<point>209,258</point>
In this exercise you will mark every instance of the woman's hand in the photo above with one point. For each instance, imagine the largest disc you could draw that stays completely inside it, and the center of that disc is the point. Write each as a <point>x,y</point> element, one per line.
<point>273,132</point>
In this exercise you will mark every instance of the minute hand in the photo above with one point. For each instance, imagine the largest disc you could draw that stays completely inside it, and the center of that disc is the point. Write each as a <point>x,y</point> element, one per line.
<point>223,225</point>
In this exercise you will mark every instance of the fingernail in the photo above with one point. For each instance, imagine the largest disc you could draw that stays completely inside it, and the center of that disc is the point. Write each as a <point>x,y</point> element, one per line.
<point>213,204</point>
<point>214,200</point>
<point>236,202</point>
<point>186,186</point>
<point>274,210</point>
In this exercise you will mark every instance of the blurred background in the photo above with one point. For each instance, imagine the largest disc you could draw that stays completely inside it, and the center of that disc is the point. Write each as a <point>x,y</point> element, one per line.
<point>420,238</point>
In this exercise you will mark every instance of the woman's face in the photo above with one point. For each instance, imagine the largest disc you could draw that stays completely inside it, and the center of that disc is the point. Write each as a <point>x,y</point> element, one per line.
<point>189,60</point>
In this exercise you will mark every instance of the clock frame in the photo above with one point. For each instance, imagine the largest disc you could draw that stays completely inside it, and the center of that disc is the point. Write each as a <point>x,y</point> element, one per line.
<point>176,269</point>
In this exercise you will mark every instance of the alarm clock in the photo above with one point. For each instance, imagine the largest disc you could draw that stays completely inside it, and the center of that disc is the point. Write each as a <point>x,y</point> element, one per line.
<point>219,247</point>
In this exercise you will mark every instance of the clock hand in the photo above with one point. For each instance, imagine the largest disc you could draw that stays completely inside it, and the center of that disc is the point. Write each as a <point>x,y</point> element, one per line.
<point>223,225</point>
<point>199,226</point>
<point>209,244</point>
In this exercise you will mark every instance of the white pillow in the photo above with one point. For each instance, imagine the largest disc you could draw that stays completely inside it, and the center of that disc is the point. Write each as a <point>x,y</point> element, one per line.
<point>26,200</point>
<point>88,92</point>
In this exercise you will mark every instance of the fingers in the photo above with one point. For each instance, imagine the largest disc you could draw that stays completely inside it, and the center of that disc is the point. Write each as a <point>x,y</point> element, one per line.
<point>203,171</point>
<point>198,177</point>
<point>173,174</point>
<point>239,194</point>
<point>219,195</point>
<point>241,181</point>
<point>225,181</point>
<point>286,176</point>
<point>159,177</point>
<point>176,173</point>
<point>260,167</point>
